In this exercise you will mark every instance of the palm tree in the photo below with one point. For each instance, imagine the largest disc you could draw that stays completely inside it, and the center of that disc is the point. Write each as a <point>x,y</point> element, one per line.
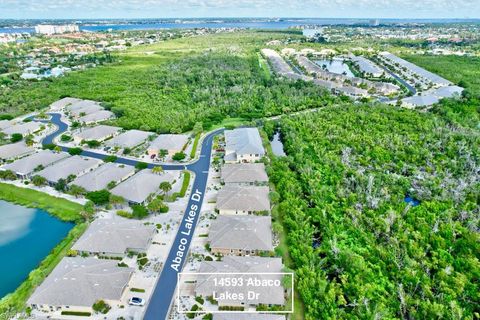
<point>157,169</point>
<point>76,191</point>
<point>165,186</point>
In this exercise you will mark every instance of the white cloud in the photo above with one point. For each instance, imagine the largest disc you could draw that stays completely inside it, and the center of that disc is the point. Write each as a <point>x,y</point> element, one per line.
<point>320,8</point>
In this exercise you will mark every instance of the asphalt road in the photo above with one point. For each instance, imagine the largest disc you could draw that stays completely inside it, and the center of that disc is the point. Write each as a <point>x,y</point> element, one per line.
<point>62,127</point>
<point>161,299</point>
<point>408,86</point>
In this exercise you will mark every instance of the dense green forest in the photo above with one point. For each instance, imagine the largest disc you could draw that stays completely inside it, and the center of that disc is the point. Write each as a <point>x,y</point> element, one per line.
<point>174,84</point>
<point>359,250</point>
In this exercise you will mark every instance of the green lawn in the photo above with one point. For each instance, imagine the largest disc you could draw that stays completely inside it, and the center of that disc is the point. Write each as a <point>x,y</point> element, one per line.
<point>195,145</point>
<point>185,183</point>
<point>60,208</point>
<point>230,122</point>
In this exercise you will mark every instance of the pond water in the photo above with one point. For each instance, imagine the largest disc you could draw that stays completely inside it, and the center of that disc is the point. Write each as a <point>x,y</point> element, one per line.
<point>336,66</point>
<point>412,201</point>
<point>26,237</point>
<point>277,145</point>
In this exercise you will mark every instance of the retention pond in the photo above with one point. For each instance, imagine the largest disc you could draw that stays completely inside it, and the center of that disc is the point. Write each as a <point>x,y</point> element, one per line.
<point>26,237</point>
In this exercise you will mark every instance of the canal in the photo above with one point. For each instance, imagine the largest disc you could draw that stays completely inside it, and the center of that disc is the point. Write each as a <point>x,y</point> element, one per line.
<point>277,145</point>
<point>26,237</point>
<point>337,66</point>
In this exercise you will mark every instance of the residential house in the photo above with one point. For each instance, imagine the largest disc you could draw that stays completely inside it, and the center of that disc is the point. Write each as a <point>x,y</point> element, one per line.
<point>241,235</point>
<point>243,145</point>
<point>172,143</point>
<point>27,166</point>
<point>115,237</point>
<point>250,269</point>
<point>77,283</point>
<point>244,173</point>
<point>242,200</point>
<point>101,177</point>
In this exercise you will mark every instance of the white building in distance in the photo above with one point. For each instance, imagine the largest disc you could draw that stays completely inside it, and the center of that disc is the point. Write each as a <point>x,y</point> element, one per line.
<point>49,29</point>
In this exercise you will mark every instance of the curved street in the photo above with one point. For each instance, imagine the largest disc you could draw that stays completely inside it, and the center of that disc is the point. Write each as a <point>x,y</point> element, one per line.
<point>159,304</point>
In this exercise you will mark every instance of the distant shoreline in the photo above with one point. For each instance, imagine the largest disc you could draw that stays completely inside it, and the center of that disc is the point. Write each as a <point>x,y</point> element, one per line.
<point>27,25</point>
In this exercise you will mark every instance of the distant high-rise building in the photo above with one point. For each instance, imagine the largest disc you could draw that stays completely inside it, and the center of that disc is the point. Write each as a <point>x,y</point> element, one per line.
<point>374,22</point>
<point>55,29</point>
<point>312,32</point>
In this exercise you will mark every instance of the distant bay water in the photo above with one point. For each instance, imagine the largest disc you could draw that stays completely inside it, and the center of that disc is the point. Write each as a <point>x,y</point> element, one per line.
<point>26,237</point>
<point>253,24</point>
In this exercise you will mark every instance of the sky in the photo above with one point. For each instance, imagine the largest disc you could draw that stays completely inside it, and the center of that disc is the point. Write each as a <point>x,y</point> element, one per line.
<point>76,9</point>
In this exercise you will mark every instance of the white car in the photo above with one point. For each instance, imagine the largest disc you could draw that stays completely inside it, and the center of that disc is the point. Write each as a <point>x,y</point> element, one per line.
<point>136,301</point>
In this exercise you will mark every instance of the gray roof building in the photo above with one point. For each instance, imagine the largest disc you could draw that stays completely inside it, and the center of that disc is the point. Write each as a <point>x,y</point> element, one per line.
<point>416,69</point>
<point>367,66</point>
<point>75,165</point>
<point>432,96</point>
<point>243,198</point>
<point>241,267</point>
<point>100,177</point>
<point>243,141</point>
<point>170,142</point>
<point>137,188</point>
<point>115,236</point>
<point>83,107</point>
<point>15,150</point>
<point>80,282</point>
<point>420,101</point>
<point>23,128</point>
<point>129,139</point>
<point>98,133</point>
<point>447,92</point>
<point>278,64</point>
<point>245,233</point>
<point>27,165</point>
<point>62,103</point>
<point>244,173</point>
<point>6,123</point>
<point>96,116</point>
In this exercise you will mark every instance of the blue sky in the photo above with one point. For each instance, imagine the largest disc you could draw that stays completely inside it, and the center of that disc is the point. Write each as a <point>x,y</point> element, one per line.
<point>20,9</point>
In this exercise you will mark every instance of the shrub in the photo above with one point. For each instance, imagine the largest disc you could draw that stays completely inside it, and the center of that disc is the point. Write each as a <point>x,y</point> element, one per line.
<point>139,211</point>
<point>101,306</point>
<point>75,151</point>
<point>76,313</point>
<point>39,181</point>
<point>179,156</point>
<point>92,143</point>
<point>141,165</point>
<point>110,159</point>
<point>125,214</point>
<point>8,175</point>
<point>15,137</point>
<point>49,146</point>
<point>100,197</point>
<point>65,138</point>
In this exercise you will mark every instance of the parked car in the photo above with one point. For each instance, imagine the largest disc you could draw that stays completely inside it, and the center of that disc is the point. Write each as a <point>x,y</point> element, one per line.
<point>136,301</point>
